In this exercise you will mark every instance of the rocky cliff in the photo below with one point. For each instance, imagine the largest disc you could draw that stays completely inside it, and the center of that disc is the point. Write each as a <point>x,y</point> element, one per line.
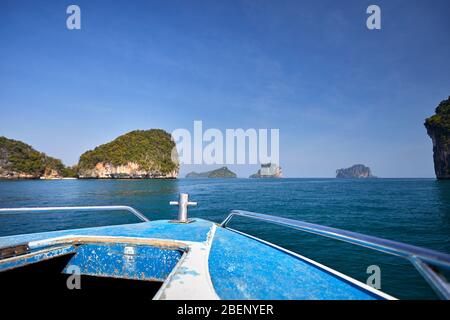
<point>20,161</point>
<point>223,172</point>
<point>138,154</point>
<point>357,171</point>
<point>130,170</point>
<point>268,170</point>
<point>438,128</point>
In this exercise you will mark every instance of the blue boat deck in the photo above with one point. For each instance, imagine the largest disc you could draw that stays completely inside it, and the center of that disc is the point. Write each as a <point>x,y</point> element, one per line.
<point>243,268</point>
<point>201,260</point>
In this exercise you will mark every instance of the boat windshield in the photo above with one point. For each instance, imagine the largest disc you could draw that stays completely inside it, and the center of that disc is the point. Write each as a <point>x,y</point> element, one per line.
<point>32,220</point>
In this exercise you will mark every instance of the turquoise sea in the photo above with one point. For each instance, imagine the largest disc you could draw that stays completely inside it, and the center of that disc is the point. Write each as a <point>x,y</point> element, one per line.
<point>415,211</point>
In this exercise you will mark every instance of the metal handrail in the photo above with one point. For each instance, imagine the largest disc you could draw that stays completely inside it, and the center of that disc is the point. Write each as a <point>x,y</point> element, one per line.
<point>420,257</point>
<point>82,208</point>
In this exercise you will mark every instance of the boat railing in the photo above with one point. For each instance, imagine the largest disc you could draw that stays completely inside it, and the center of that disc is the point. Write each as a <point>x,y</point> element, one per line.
<point>135,212</point>
<point>426,261</point>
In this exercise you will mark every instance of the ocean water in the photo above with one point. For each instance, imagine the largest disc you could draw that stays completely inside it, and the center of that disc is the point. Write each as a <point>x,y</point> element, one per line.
<point>415,211</point>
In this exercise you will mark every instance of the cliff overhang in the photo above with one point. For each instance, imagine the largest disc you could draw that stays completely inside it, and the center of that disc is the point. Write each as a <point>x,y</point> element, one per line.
<point>438,128</point>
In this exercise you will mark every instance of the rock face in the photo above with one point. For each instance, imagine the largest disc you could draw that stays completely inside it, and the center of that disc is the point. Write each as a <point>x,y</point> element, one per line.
<point>130,170</point>
<point>358,171</point>
<point>438,128</point>
<point>223,172</point>
<point>139,154</point>
<point>268,170</point>
<point>20,161</point>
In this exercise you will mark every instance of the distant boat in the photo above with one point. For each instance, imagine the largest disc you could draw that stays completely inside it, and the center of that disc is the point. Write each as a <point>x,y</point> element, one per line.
<point>187,259</point>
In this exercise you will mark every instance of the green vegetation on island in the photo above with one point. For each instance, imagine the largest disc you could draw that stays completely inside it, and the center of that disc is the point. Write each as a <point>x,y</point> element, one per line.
<point>145,153</point>
<point>440,122</point>
<point>223,172</point>
<point>438,128</point>
<point>20,160</point>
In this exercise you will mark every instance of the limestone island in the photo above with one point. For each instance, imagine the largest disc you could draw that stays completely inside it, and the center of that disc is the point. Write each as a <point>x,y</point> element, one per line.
<point>223,172</point>
<point>139,154</point>
<point>19,160</point>
<point>438,128</point>
<point>268,170</point>
<point>357,171</point>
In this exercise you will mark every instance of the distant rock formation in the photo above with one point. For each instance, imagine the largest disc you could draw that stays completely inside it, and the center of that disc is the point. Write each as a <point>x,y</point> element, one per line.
<point>139,154</point>
<point>223,172</point>
<point>357,171</point>
<point>20,161</point>
<point>438,128</point>
<point>268,170</point>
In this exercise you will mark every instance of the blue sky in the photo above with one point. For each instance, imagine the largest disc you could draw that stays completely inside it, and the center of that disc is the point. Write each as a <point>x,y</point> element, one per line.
<point>339,93</point>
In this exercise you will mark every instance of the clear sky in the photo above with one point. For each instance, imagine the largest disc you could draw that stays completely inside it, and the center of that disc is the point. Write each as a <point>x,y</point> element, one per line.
<point>339,93</point>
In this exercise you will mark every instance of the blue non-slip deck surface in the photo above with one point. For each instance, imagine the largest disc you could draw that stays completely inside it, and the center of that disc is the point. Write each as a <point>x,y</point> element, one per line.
<point>196,231</point>
<point>243,268</point>
<point>124,261</point>
<point>240,267</point>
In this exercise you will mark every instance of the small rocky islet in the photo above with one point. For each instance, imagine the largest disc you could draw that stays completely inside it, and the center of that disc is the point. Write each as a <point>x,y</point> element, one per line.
<point>267,170</point>
<point>223,172</point>
<point>357,171</point>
